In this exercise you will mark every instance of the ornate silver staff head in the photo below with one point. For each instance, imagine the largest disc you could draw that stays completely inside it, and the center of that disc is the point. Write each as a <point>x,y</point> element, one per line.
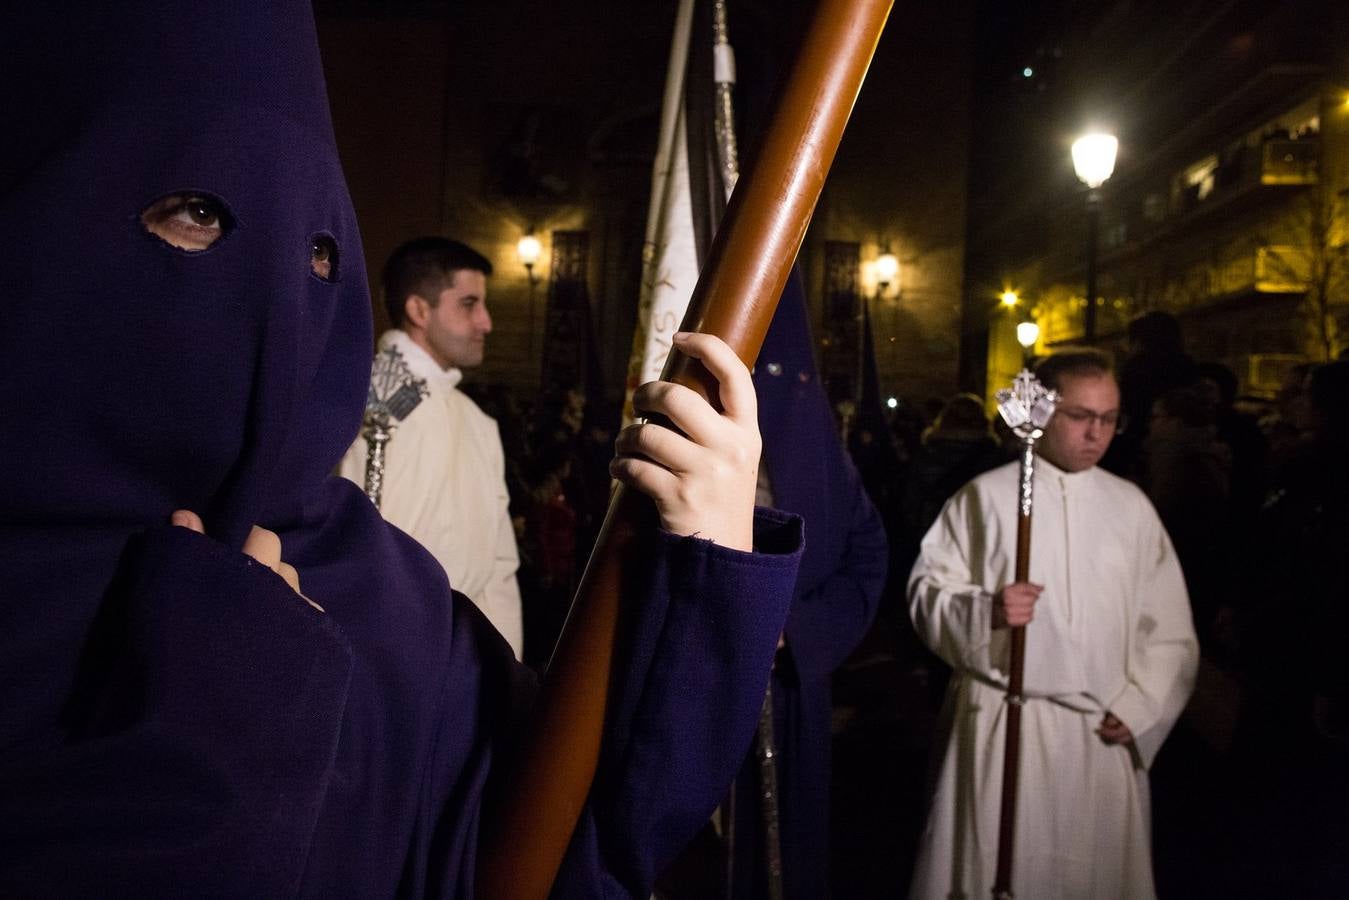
<point>394,393</point>
<point>1027,406</point>
<point>394,390</point>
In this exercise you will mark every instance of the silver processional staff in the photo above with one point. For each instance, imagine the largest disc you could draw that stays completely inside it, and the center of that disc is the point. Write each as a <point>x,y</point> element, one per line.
<point>1026,407</point>
<point>394,394</point>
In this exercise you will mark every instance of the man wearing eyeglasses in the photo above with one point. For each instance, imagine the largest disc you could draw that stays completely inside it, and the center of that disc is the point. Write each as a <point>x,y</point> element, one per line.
<point>1110,661</point>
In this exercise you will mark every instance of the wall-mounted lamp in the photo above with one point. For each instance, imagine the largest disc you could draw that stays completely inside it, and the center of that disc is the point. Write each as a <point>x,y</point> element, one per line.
<point>1009,299</point>
<point>529,250</point>
<point>887,271</point>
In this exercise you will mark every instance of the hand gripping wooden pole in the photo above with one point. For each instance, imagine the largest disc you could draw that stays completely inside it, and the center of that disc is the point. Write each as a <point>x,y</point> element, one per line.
<point>526,836</point>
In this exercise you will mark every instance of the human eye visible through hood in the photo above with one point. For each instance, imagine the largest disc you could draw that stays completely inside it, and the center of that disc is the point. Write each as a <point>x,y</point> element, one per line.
<point>323,257</point>
<point>195,222</point>
<point>191,222</point>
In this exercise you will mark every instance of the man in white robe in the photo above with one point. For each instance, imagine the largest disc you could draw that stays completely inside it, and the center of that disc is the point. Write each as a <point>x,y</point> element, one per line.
<point>444,476</point>
<point>1110,662</point>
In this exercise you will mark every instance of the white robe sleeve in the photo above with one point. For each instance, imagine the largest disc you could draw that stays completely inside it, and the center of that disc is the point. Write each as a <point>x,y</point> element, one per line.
<point>951,594</point>
<point>417,488</point>
<point>502,595</point>
<point>1164,652</point>
<point>952,615</point>
<point>401,496</point>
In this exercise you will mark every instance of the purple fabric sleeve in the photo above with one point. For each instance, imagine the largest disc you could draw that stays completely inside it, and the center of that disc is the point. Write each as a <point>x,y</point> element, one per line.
<point>687,707</point>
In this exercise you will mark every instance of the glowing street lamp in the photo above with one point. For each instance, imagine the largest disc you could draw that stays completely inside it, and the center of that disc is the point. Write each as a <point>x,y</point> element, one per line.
<point>1094,158</point>
<point>1009,299</point>
<point>1027,334</point>
<point>1094,162</point>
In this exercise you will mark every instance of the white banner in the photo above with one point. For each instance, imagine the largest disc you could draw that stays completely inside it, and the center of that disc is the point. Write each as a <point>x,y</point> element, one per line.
<point>669,257</point>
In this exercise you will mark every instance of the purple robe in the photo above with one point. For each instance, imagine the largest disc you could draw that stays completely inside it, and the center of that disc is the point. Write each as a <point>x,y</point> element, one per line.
<point>837,594</point>
<point>173,719</point>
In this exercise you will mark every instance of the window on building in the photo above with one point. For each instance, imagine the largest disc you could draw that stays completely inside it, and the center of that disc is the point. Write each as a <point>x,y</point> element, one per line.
<point>1194,185</point>
<point>1202,176</point>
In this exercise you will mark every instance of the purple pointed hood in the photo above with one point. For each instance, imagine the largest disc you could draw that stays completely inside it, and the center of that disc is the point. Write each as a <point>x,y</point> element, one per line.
<point>141,378</point>
<point>146,377</point>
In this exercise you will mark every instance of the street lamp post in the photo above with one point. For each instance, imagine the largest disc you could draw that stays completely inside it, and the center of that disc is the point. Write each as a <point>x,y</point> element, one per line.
<point>1094,162</point>
<point>1093,224</point>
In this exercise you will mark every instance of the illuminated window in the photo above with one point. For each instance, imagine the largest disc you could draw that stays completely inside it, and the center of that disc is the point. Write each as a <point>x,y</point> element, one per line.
<point>1201,177</point>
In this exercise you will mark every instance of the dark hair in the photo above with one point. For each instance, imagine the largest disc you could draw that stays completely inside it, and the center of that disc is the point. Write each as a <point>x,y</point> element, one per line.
<point>1188,404</point>
<point>1224,378</point>
<point>1077,361</point>
<point>1329,391</point>
<point>425,266</point>
<point>962,412</point>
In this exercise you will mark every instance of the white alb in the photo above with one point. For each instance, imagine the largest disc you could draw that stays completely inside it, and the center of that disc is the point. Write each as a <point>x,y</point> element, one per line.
<point>1112,631</point>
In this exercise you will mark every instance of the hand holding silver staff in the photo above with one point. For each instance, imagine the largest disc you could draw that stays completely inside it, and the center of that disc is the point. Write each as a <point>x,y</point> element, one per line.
<point>394,394</point>
<point>1026,407</point>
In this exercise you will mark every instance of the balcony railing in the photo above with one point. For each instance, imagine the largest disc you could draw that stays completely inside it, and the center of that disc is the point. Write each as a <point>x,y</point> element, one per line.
<point>1282,268</point>
<point>1276,161</point>
<point>1290,162</point>
<point>1275,269</point>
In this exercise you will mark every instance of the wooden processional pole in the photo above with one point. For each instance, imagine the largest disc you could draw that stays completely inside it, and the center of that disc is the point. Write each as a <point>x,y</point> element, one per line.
<point>1026,408</point>
<point>744,275</point>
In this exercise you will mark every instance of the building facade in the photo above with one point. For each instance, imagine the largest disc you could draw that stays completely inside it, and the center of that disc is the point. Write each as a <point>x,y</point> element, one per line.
<point>490,121</point>
<point>1227,207</point>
